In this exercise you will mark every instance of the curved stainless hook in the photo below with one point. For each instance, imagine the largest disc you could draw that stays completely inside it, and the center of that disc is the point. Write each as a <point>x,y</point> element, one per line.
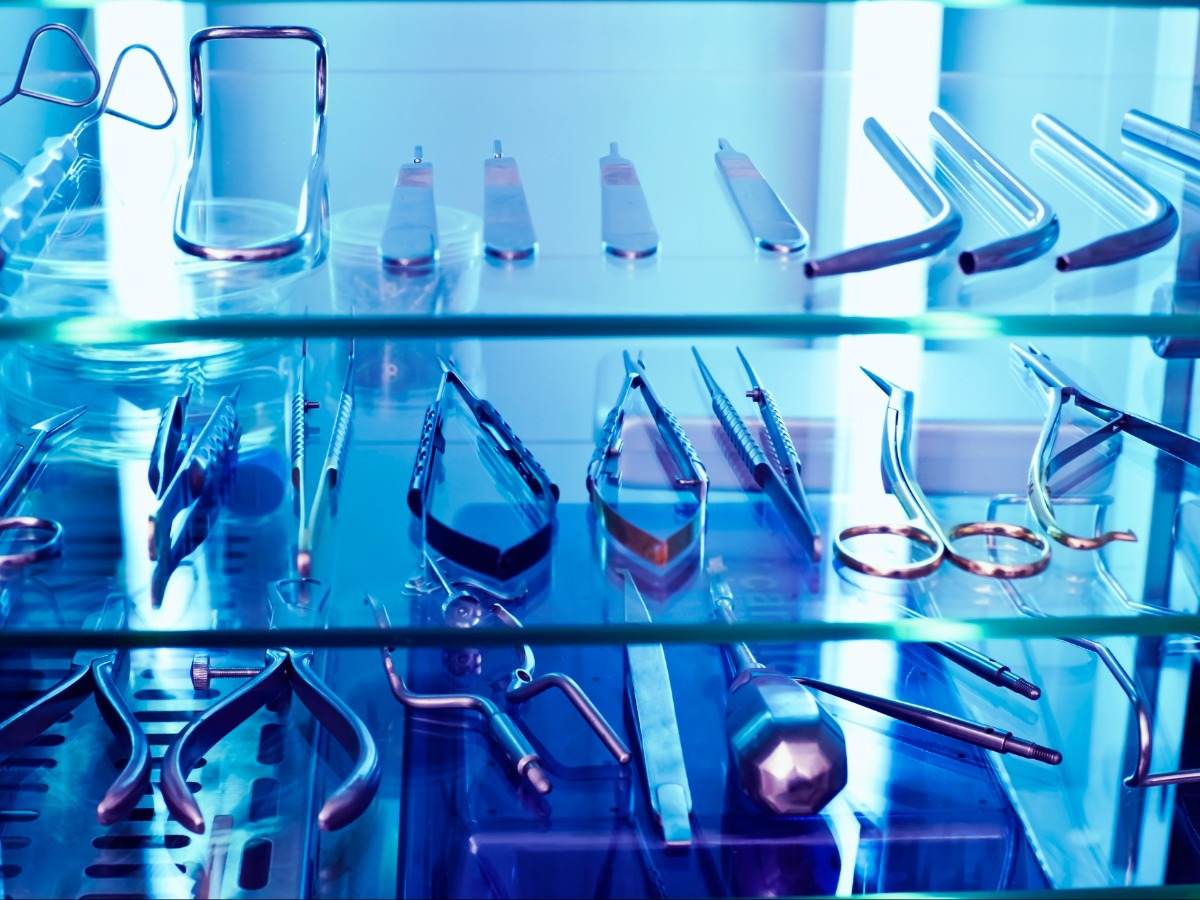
<point>19,89</point>
<point>1040,224</point>
<point>1159,219</point>
<point>944,225</point>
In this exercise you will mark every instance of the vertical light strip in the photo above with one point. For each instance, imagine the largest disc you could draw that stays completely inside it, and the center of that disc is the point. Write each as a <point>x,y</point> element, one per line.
<point>891,54</point>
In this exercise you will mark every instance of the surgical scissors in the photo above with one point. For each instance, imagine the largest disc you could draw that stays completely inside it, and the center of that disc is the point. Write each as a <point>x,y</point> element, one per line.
<point>786,492</point>
<point>20,471</point>
<point>335,454</point>
<point>1060,389</point>
<point>604,472</point>
<point>312,222</point>
<point>898,475</point>
<point>27,198</point>
<point>285,668</point>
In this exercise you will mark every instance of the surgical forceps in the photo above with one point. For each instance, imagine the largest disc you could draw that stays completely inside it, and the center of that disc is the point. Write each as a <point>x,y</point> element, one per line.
<point>1040,224</point>
<point>465,609</point>
<point>1160,221</point>
<point>285,668</point>
<point>1061,389</point>
<point>335,454</point>
<point>786,492</point>
<point>27,198</point>
<point>45,535</point>
<point>97,673</point>
<point>312,222</point>
<point>190,472</point>
<point>463,549</point>
<point>604,473</point>
<point>898,475</point>
<point>20,90</point>
<point>943,228</point>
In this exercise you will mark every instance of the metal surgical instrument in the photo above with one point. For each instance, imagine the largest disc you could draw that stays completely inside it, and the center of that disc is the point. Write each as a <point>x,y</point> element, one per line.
<point>410,236</point>
<point>986,736</point>
<point>786,491</point>
<point>1179,145</point>
<point>943,228</point>
<point>1159,219</point>
<point>898,475</point>
<point>335,454</point>
<point>1039,223</point>
<point>499,562</point>
<point>190,473</point>
<point>604,476</point>
<point>626,229</point>
<point>653,704</point>
<point>285,668</point>
<point>43,536</point>
<point>95,673</point>
<point>770,223</point>
<point>20,90</point>
<point>507,227</point>
<point>1060,389</point>
<point>312,222</point>
<point>27,198</point>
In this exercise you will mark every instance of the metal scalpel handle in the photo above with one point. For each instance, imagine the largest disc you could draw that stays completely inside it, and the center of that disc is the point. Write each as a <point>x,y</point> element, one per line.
<point>627,229</point>
<point>770,223</point>
<point>507,227</point>
<point>20,90</point>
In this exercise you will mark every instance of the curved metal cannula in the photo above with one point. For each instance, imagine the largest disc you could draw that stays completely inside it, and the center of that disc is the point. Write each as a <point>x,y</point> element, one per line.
<point>312,217</point>
<point>1061,389</point>
<point>284,668</point>
<point>25,199</point>
<point>508,735</point>
<point>1160,221</point>
<point>944,225</point>
<point>1039,222</point>
<point>1173,142</point>
<point>19,89</point>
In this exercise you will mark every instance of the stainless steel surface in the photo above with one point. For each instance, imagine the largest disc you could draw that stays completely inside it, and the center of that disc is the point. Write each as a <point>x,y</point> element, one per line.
<point>410,237</point>
<point>507,227</point>
<point>771,225</point>
<point>626,227</point>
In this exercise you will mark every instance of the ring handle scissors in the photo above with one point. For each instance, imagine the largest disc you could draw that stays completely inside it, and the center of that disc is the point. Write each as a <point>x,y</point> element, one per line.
<point>44,535</point>
<point>925,528</point>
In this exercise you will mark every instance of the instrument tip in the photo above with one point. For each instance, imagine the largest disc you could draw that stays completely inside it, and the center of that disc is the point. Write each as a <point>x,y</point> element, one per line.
<point>536,776</point>
<point>882,383</point>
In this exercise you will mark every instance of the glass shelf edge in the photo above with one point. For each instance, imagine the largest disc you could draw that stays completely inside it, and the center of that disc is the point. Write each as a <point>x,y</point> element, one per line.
<point>102,330</point>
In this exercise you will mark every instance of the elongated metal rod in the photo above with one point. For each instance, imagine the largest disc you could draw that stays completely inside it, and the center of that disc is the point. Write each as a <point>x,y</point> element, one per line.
<point>1175,143</point>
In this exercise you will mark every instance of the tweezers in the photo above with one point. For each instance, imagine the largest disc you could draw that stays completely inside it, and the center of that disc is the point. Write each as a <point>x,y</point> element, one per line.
<point>463,549</point>
<point>943,228</point>
<point>95,673</point>
<point>1179,145</point>
<point>604,472</point>
<point>786,492</point>
<point>1159,219</point>
<point>285,668</point>
<point>1039,223</point>
<point>1060,389</point>
<point>27,198</point>
<point>312,224</point>
<point>189,471</point>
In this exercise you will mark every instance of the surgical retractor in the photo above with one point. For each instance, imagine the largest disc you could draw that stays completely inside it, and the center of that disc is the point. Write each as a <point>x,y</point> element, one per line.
<point>771,225</point>
<point>787,490</point>
<point>312,219</point>
<point>1158,218</point>
<point>1059,390</point>
<point>27,198</point>
<point>1038,222</point>
<point>943,228</point>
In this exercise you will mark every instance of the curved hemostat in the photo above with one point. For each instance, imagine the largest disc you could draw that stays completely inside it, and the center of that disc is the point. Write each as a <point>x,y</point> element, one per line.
<point>786,492</point>
<point>1158,216</point>
<point>1039,223</point>
<point>943,228</point>
<point>295,603</point>
<point>1060,390</point>
<point>26,198</point>
<point>501,563</point>
<point>689,474</point>
<point>190,473</point>
<point>98,674</point>
<point>312,221</point>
